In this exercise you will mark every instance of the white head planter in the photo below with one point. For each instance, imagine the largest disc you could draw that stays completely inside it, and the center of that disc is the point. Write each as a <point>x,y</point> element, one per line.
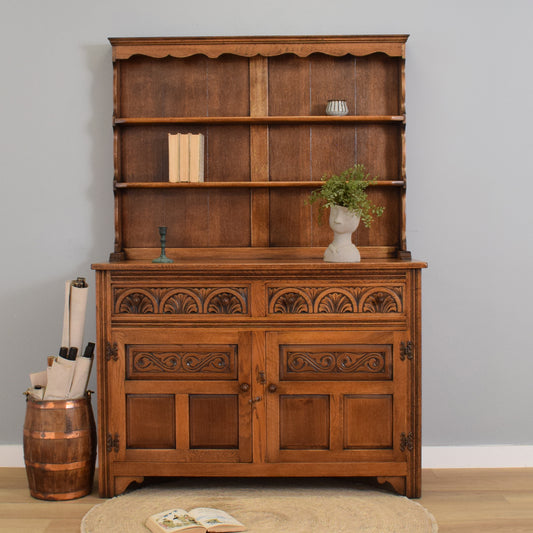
<point>343,223</point>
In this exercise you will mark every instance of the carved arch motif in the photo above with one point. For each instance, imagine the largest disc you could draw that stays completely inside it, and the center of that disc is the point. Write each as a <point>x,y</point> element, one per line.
<point>338,300</point>
<point>181,301</point>
<point>335,300</point>
<point>136,302</point>
<point>380,300</point>
<point>291,301</point>
<point>225,301</point>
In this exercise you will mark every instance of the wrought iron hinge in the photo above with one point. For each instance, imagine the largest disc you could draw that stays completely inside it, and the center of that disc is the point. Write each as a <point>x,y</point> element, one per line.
<point>111,351</point>
<point>407,349</point>
<point>112,444</point>
<point>407,442</point>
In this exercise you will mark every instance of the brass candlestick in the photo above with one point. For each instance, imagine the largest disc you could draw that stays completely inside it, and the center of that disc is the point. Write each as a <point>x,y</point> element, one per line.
<point>163,237</point>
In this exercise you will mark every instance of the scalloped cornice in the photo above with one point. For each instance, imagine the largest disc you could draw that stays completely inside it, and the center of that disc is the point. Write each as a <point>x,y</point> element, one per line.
<point>357,45</point>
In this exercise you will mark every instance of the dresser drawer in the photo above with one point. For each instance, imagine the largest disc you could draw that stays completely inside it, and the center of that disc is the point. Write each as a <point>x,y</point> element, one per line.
<point>188,302</point>
<point>299,299</point>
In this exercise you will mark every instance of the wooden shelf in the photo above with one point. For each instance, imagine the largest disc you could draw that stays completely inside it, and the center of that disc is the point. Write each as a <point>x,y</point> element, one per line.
<point>239,184</point>
<point>308,119</point>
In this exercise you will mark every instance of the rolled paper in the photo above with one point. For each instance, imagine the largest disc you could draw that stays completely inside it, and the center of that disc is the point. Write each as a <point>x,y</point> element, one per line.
<point>65,337</point>
<point>78,306</point>
<point>80,379</point>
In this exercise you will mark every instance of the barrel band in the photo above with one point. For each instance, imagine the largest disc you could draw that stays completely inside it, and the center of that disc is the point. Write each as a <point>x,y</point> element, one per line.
<point>60,495</point>
<point>58,467</point>
<point>57,434</point>
<point>57,404</point>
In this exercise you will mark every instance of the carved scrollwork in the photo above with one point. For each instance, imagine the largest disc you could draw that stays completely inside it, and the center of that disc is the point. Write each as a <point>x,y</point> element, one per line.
<point>339,362</point>
<point>337,300</point>
<point>181,301</point>
<point>151,360</point>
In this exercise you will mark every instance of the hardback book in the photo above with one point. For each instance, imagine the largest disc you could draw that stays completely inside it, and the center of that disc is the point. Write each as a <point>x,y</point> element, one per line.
<point>173,157</point>
<point>199,520</point>
<point>196,159</point>
<point>183,160</point>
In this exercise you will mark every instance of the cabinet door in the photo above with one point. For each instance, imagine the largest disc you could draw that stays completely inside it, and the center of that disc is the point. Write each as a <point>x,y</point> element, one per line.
<point>181,395</point>
<point>335,396</point>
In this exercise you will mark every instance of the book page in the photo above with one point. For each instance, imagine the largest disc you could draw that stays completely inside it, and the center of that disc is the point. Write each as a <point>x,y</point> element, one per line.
<point>174,520</point>
<point>216,520</point>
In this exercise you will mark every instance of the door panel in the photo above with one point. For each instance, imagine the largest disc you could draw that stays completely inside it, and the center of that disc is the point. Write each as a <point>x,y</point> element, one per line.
<point>368,421</point>
<point>186,395</point>
<point>331,396</point>
<point>304,422</point>
<point>150,421</point>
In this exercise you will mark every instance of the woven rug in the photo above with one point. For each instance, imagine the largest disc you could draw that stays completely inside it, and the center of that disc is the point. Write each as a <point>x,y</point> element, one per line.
<point>268,506</point>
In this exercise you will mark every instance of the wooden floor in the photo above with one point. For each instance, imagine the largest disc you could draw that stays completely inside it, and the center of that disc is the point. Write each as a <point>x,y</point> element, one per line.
<point>473,501</point>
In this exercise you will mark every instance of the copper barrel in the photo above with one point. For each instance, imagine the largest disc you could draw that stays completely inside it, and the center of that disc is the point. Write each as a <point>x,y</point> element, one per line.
<point>59,448</point>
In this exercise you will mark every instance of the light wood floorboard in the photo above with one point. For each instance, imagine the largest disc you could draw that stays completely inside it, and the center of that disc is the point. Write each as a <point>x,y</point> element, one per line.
<point>473,501</point>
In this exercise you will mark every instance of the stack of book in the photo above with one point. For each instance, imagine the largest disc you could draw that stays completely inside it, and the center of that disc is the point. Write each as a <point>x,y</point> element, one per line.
<point>185,157</point>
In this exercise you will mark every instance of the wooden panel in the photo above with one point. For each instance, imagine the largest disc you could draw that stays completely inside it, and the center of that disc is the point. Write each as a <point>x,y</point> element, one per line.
<point>290,153</point>
<point>169,87</point>
<point>228,86</point>
<point>181,362</point>
<point>385,231</point>
<point>333,149</point>
<point>228,216</point>
<point>150,421</point>
<point>378,83</point>
<point>304,422</point>
<point>379,148</point>
<point>290,218</point>
<point>368,421</point>
<point>147,209</point>
<point>335,362</point>
<point>214,421</point>
<point>331,78</point>
<point>288,85</point>
<point>228,153</point>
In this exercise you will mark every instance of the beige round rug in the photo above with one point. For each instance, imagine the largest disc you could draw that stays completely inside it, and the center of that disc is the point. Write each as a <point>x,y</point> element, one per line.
<point>268,506</point>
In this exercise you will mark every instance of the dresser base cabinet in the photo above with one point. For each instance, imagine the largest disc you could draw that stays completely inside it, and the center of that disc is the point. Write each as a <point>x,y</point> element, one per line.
<point>259,368</point>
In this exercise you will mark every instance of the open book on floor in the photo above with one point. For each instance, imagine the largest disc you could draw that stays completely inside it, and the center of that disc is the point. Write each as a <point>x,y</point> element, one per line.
<point>199,520</point>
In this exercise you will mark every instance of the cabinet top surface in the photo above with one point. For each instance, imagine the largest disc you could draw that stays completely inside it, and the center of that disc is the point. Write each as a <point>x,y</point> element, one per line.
<point>262,260</point>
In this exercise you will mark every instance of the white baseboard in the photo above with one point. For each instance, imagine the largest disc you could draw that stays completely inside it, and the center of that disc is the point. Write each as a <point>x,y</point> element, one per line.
<point>11,455</point>
<point>489,456</point>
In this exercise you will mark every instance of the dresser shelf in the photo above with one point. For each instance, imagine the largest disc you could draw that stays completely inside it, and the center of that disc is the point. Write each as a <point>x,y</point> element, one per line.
<point>309,119</point>
<point>240,184</point>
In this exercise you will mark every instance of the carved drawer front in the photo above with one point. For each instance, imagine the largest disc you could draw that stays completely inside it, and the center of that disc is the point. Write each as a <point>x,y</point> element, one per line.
<point>362,298</point>
<point>348,362</point>
<point>181,362</point>
<point>183,301</point>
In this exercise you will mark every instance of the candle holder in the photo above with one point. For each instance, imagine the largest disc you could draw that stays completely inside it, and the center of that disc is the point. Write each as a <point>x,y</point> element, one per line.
<point>163,237</point>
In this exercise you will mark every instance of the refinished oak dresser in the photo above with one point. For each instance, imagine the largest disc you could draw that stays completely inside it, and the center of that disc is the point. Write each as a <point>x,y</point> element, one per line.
<point>249,355</point>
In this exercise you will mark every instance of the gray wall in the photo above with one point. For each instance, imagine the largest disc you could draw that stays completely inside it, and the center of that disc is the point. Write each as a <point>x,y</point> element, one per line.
<point>470,172</point>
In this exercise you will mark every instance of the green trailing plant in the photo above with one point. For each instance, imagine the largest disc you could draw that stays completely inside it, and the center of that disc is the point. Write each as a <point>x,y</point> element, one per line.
<point>347,189</point>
